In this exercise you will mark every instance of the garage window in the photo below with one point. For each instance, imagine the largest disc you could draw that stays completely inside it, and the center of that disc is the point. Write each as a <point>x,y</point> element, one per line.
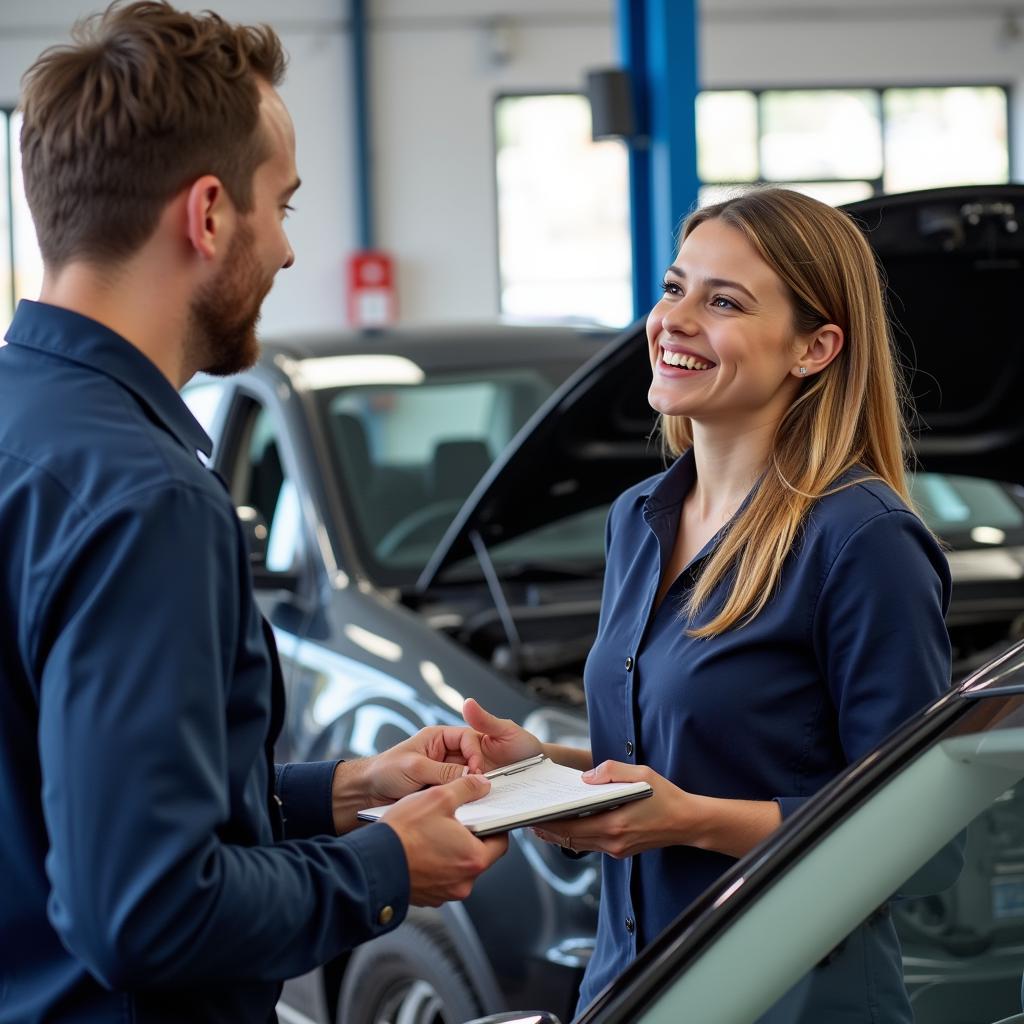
<point>841,145</point>
<point>563,212</point>
<point>563,200</point>
<point>21,267</point>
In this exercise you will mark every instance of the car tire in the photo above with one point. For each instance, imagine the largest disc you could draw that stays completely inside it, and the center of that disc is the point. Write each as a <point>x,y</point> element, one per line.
<point>412,975</point>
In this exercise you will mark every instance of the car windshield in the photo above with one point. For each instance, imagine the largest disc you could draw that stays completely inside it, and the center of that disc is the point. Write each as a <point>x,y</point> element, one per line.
<point>961,508</point>
<point>964,511</point>
<point>408,455</point>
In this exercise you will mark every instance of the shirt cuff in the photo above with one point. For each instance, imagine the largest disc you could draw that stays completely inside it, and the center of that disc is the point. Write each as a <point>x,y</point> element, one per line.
<point>305,793</point>
<point>789,804</point>
<point>382,856</point>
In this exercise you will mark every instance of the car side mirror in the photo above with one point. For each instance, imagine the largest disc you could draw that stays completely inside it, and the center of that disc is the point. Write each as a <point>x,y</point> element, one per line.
<point>254,527</point>
<point>518,1017</point>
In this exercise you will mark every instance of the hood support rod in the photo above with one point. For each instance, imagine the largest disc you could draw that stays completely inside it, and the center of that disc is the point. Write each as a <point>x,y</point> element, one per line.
<point>498,596</point>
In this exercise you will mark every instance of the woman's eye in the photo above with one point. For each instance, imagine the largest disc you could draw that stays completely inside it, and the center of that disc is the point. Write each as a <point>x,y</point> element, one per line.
<point>286,209</point>
<point>671,288</point>
<point>722,302</point>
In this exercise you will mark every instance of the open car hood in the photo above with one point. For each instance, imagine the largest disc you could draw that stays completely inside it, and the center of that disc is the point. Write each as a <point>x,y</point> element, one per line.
<point>953,259</point>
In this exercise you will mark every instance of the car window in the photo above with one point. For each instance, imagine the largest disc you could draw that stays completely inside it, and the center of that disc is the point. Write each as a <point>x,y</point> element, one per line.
<point>953,505</point>
<point>409,455</point>
<point>259,480</point>
<point>927,875</point>
<point>204,399</point>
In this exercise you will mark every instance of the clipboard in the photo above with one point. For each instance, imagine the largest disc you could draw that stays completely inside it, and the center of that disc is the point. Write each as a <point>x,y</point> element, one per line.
<point>532,791</point>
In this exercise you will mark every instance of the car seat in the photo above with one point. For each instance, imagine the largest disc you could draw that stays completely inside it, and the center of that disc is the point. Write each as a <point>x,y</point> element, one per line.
<point>456,467</point>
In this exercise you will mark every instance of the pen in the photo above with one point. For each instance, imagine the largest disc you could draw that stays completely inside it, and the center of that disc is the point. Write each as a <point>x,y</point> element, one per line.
<point>517,766</point>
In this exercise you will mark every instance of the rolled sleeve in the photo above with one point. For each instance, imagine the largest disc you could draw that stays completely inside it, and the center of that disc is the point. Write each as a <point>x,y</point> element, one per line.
<point>790,804</point>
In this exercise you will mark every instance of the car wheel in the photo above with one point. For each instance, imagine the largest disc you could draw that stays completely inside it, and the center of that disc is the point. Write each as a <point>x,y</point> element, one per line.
<point>409,976</point>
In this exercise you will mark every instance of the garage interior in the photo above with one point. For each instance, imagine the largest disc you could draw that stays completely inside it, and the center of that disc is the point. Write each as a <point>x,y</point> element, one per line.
<point>453,393</point>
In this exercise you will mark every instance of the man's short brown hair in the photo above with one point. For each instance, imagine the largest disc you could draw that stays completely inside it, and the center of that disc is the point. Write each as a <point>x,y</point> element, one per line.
<point>144,101</point>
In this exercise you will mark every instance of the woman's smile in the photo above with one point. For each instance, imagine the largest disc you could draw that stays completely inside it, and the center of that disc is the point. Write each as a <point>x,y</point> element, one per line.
<point>676,361</point>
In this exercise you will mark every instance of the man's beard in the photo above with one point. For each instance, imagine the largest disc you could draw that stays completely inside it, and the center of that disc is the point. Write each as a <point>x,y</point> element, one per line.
<point>223,317</point>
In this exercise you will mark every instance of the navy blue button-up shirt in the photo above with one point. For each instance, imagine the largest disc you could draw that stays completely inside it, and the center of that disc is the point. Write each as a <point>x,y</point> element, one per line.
<point>140,876</point>
<point>851,644</point>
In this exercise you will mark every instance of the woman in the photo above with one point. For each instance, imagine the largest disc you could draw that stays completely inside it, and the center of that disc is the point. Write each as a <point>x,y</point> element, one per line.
<point>773,607</point>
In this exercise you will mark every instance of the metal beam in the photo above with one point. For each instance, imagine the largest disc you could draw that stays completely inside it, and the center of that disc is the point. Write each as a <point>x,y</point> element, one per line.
<point>361,119</point>
<point>658,46</point>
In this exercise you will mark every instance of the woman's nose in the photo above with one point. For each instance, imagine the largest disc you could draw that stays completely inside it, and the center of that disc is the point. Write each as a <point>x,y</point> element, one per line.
<point>681,316</point>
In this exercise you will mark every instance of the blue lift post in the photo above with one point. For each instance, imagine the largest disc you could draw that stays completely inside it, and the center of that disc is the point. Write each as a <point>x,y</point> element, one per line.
<point>361,117</point>
<point>658,47</point>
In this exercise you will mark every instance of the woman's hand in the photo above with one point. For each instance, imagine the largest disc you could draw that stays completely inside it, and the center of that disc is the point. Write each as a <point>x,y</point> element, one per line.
<point>661,819</point>
<point>669,817</point>
<point>501,740</point>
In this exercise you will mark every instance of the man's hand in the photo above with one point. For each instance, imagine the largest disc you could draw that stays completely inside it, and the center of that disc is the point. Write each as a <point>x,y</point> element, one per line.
<point>444,857</point>
<point>433,756</point>
<point>500,740</point>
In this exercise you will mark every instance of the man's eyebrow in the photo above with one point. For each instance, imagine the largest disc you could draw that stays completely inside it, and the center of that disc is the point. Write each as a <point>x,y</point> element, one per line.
<point>716,282</point>
<point>291,189</point>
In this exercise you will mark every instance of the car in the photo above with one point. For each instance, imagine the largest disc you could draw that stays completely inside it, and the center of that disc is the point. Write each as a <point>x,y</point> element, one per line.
<point>426,514</point>
<point>946,789</point>
<point>348,457</point>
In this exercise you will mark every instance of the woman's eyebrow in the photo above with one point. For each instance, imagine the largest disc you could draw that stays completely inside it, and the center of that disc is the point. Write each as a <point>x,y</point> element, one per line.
<point>716,282</point>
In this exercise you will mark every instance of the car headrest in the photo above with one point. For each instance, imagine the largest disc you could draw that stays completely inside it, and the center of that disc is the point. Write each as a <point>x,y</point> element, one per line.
<point>350,438</point>
<point>456,467</point>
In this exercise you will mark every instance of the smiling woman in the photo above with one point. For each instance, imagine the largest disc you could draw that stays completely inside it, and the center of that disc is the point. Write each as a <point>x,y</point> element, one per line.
<point>747,650</point>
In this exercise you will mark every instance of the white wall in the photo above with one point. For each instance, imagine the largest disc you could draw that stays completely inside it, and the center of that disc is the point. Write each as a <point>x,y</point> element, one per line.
<point>433,82</point>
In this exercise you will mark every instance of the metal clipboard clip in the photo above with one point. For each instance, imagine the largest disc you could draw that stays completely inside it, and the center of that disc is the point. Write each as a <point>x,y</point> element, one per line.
<point>516,767</point>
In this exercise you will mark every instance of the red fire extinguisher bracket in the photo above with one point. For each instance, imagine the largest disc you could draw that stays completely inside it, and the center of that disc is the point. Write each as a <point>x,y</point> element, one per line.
<point>372,295</point>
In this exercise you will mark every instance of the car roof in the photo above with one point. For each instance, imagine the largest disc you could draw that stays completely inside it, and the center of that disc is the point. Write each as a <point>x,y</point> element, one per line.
<point>451,345</point>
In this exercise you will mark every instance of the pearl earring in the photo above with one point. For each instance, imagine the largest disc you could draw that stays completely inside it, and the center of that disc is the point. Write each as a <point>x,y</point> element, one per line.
<point>803,371</point>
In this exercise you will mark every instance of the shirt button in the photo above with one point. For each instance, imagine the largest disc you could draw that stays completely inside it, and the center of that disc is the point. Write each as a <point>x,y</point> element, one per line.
<point>629,746</point>
<point>630,925</point>
<point>629,663</point>
<point>385,915</point>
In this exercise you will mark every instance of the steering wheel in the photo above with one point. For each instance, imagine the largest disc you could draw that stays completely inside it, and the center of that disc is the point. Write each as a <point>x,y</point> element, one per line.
<point>419,525</point>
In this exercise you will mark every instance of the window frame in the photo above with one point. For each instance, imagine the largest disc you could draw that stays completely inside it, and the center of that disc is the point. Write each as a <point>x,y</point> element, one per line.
<point>879,90</point>
<point>876,184</point>
<point>6,115</point>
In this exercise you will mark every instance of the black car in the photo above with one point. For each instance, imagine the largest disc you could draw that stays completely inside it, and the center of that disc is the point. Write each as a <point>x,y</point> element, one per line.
<point>427,513</point>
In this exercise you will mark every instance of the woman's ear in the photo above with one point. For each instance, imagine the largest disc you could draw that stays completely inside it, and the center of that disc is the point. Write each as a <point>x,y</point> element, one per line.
<point>818,351</point>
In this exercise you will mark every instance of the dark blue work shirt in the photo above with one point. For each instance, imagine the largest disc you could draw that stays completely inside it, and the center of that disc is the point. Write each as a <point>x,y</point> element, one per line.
<point>851,644</point>
<point>140,872</point>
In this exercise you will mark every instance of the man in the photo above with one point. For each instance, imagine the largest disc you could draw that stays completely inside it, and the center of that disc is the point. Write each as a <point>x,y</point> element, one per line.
<point>154,866</point>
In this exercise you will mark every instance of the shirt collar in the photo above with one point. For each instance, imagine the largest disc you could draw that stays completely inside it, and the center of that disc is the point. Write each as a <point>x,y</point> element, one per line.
<point>673,486</point>
<point>81,340</point>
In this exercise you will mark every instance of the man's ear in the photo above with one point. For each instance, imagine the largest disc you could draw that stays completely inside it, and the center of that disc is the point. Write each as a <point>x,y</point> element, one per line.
<point>818,350</point>
<point>208,211</point>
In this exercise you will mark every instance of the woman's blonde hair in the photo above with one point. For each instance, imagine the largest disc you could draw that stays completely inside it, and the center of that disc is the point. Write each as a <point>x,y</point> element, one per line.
<point>847,415</point>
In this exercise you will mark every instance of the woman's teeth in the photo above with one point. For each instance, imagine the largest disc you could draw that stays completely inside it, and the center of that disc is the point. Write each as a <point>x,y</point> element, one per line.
<point>687,362</point>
